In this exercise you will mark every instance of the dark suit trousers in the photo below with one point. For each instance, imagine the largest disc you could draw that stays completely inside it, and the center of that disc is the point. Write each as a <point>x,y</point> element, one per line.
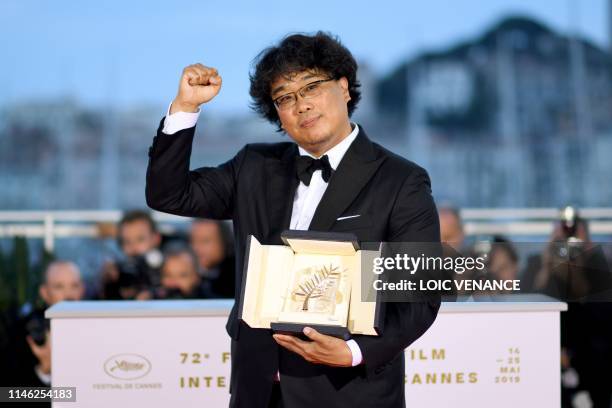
<point>276,400</point>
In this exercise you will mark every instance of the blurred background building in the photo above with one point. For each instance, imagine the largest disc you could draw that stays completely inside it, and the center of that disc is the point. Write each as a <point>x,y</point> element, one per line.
<point>519,115</point>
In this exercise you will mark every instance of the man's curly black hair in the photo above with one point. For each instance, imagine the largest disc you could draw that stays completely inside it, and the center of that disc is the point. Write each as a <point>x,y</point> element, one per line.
<point>321,52</point>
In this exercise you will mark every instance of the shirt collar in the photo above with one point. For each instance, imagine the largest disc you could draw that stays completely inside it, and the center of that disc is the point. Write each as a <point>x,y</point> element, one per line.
<point>336,153</point>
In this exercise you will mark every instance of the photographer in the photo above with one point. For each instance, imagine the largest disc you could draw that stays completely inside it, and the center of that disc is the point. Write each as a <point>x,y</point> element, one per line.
<point>502,261</point>
<point>573,269</point>
<point>137,272</point>
<point>30,361</point>
<point>180,278</point>
<point>451,228</point>
<point>210,240</point>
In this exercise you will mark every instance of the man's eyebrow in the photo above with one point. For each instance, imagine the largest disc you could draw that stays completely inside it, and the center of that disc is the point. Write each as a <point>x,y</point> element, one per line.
<point>277,89</point>
<point>281,87</point>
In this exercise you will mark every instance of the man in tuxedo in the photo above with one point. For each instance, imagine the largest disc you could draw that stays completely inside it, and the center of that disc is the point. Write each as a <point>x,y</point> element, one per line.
<point>329,177</point>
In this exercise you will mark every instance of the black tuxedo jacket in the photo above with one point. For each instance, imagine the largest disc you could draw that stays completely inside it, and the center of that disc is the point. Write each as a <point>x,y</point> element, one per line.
<point>255,189</point>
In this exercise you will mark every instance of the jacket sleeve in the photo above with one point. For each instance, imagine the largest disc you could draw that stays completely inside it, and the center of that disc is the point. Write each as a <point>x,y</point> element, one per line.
<point>207,192</point>
<point>414,218</point>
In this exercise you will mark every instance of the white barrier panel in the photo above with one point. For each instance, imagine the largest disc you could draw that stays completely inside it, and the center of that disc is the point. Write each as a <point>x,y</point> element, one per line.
<point>176,353</point>
<point>487,355</point>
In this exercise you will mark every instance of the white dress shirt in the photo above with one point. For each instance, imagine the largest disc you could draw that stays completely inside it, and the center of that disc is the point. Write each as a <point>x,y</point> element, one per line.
<point>306,198</point>
<point>43,377</point>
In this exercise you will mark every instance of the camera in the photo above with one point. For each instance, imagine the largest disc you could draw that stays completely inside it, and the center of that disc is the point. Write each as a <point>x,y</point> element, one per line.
<point>134,274</point>
<point>37,327</point>
<point>142,270</point>
<point>568,245</point>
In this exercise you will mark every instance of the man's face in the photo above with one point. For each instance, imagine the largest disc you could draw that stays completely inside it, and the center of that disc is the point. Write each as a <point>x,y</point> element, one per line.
<point>451,231</point>
<point>316,123</point>
<point>207,244</point>
<point>137,238</point>
<point>63,282</point>
<point>179,272</point>
<point>502,266</point>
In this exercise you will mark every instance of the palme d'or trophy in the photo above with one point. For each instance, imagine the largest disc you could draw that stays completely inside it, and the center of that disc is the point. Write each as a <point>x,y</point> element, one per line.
<point>319,285</point>
<point>314,280</point>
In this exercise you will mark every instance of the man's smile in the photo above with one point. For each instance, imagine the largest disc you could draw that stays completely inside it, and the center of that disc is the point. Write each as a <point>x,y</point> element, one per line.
<point>309,122</point>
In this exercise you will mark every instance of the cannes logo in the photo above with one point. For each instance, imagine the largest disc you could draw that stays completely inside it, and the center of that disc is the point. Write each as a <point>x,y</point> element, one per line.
<point>127,366</point>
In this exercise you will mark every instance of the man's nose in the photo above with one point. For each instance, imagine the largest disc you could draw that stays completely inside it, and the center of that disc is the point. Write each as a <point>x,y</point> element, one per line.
<point>303,105</point>
<point>172,283</point>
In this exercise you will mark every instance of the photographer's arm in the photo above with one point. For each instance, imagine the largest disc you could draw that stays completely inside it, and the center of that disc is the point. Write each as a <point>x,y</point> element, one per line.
<point>43,353</point>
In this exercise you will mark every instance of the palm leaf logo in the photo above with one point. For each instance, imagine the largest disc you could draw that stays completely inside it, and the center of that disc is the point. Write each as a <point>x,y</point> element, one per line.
<point>315,286</point>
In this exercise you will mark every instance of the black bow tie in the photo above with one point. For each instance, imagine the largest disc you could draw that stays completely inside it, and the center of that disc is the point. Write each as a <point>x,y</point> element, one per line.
<point>306,165</point>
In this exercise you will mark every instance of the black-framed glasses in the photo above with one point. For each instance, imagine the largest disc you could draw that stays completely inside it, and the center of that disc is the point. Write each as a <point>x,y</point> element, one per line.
<point>310,90</point>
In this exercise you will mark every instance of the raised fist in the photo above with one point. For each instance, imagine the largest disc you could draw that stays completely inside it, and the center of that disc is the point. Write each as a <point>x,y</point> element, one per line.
<point>199,84</point>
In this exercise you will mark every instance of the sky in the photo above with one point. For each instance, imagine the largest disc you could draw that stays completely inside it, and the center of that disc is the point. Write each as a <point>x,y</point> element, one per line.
<point>131,53</point>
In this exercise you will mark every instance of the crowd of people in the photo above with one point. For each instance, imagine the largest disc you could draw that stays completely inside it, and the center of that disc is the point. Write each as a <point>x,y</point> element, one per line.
<point>156,267</point>
<point>151,266</point>
<point>570,268</point>
<point>201,266</point>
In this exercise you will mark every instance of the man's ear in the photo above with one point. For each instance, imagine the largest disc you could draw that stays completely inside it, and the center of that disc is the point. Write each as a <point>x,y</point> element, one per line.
<point>157,239</point>
<point>43,292</point>
<point>344,84</point>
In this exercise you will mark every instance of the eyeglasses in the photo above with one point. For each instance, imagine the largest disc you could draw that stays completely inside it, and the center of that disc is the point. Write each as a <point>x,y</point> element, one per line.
<point>308,91</point>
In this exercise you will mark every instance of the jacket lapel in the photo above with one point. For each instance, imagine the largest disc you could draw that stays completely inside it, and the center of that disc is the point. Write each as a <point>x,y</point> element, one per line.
<point>281,185</point>
<point>356,168</point>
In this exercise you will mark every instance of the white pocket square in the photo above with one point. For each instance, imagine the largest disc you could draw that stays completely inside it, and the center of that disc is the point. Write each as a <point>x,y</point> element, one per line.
<point>347,217</point>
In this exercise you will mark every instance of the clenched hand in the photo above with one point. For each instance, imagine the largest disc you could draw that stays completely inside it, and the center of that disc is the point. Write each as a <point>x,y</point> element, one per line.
<point>199,84</point>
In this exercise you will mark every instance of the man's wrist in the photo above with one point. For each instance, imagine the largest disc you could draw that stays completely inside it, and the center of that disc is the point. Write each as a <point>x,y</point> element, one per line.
<point>178,106</point>
<point>179,121</point>
<point>44,377</point>
<point>356,356</point>
<point>43,368</point>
